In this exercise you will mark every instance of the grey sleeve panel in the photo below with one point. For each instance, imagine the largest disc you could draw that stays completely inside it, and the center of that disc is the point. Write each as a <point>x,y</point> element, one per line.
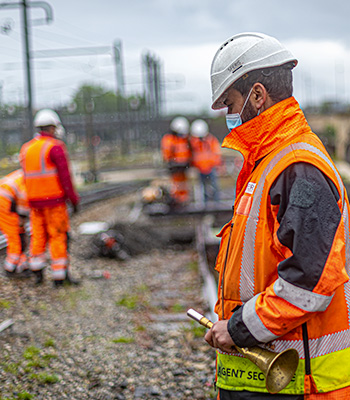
<point>239,332</point>
<point>309,217</point>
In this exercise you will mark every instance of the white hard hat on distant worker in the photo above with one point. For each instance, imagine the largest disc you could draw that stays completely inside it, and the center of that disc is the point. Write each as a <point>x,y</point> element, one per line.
<point>241,54</point>
<point>48,117</point>
<point>199,128</point>
<point>180,125</point>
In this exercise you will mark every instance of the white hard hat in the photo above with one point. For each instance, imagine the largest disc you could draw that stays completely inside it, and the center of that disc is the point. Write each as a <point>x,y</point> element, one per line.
<point>48,117</point>
<point>180,125</point>
<point>199,128</point>
<point>241,54</point>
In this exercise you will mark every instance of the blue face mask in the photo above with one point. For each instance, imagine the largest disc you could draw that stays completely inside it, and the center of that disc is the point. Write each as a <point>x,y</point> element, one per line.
<point>234,120</point>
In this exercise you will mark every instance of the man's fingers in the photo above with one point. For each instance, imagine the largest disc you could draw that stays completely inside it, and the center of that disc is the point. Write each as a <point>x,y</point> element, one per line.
<point>209,338</point>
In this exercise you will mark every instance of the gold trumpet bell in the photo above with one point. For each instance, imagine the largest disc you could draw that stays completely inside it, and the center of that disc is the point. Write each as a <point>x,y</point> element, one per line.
<point>278,368</point>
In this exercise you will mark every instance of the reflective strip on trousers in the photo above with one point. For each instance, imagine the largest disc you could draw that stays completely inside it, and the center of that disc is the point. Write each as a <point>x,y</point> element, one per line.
<point>320,346</point>
<point>37,262</point>
<point>11,262</point>
<point>59,274</point>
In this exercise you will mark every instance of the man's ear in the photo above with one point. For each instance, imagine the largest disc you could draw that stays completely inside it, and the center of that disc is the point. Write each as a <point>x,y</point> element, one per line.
<point>259,96</point>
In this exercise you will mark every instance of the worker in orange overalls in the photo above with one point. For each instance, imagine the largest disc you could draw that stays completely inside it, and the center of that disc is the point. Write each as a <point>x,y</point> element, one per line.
<point>177,154</point>
<point>206,158</point>
<point>44,160</point>
<point>284,257</point>
<point>14,211</point>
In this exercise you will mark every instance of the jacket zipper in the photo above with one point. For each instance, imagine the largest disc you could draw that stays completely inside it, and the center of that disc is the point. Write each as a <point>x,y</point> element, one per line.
<point>306,349</point>
<point>223,273</point>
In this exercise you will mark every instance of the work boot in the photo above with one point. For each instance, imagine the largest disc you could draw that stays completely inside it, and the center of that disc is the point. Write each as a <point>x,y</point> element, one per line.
<point>67,281</point>
<point>39,276</point>
<point>18,275</point>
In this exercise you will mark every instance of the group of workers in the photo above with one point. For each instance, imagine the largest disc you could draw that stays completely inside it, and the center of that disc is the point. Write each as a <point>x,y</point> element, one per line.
<point>188,146</point>
<point>284,258</point>
<point>37,193</point>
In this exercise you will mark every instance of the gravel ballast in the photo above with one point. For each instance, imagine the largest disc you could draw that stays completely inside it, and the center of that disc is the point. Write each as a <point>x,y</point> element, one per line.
<point>126,337</point>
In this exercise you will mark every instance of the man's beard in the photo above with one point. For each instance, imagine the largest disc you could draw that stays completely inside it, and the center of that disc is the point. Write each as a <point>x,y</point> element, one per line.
<point>249,112</point>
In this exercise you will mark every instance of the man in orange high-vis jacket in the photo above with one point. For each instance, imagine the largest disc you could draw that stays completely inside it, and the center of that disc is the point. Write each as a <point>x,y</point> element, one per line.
<point>206,158</point>
<point>284,258</point>
<point>176,154</point>
<point>44,160</point>
<point>14,211</point>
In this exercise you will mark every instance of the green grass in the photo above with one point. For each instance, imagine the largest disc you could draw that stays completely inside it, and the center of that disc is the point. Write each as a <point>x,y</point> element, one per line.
<point>31,352</point>
<point>11,368</point>
<point>177,308</point>
<point>128,301</point>
<point>123,339</point>
<point>196,330</point>
<point>140,328</point>
<point>25,396</point>
<point>19,396</point>
<point>193,266</point>
<point>44,378</point>
<point>5,303</point>
<point>49,343</point>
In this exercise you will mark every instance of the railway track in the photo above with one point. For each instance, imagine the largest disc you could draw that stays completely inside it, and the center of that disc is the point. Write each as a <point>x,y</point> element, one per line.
<point>89,197</point>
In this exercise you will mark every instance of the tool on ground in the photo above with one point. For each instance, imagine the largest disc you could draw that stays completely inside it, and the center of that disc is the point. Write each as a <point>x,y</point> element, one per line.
<point>278,368</point>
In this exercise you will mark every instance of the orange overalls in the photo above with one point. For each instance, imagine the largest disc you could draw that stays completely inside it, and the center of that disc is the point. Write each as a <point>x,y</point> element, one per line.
<point>49,224</point>
<point>206,153</point>
<point>176,152</point>
<point>13,208</point>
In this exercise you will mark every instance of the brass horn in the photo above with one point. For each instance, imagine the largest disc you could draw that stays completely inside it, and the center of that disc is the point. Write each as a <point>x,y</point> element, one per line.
<point>278,368</point>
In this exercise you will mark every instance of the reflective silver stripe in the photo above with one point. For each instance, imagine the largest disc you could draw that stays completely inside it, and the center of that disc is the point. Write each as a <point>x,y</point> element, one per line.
<point>22,210</point>
<point>347,256</point>
<point>37,262</point>
<point>301,298</point>
<point>5,193</point>
<point>318,347</point>
<point>40,174</point>
<point>254,324</point>
<point>325,344</point>
<point>247,286</point>
<point>59,274</point>
<point>60,261</point>
<point>11,262</point>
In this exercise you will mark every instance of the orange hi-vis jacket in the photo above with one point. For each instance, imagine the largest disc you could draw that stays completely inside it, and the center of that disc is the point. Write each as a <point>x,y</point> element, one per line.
<point>41,177</point>
<point>206,153</point>
<point>175,149</point>
<point>13,192</point>
<point>315,322</point>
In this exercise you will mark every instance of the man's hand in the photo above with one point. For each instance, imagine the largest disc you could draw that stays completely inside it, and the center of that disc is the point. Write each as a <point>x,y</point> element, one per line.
<point>218,337</point>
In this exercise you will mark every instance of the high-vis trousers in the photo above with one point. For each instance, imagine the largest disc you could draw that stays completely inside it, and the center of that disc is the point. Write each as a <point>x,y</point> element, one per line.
<point>50,226</point>
<point>10,225</point>
<point>179,186</point>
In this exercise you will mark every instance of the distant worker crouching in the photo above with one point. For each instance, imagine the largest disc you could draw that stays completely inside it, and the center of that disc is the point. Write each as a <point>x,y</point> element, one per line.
<point>206,157</point>
<point>177,154</point>
<point>44,160</point>
<point>14,210</point>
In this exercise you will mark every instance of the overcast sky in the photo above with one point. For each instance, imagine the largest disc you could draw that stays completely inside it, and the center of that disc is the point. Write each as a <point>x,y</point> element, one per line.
<point>184,35</point>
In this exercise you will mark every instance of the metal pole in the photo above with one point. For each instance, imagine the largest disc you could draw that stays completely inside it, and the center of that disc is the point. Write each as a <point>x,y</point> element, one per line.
<point>30,129</point>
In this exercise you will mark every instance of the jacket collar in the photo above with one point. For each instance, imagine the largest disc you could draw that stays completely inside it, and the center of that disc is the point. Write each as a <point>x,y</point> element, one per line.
<point>258,137</point>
